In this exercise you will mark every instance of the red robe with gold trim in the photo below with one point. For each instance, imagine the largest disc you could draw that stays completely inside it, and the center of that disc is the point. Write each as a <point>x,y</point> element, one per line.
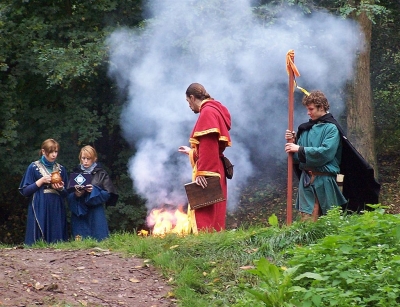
<point>209,138</point>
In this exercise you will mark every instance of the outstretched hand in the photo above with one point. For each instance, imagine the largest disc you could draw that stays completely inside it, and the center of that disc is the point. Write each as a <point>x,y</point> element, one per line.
<point>184,149</point>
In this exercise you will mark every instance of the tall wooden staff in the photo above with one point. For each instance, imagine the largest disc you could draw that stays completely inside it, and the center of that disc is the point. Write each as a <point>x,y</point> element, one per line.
<point>292,72</point>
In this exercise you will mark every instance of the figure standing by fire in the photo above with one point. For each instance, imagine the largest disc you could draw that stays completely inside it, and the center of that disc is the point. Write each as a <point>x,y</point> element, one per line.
<point>43,183</point>
<point>88,218</point>
<point>208,140</point>
<point>317,148</point>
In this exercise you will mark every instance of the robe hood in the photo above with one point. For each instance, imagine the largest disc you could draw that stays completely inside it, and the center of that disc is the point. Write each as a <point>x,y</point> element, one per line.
<point>208,122</point>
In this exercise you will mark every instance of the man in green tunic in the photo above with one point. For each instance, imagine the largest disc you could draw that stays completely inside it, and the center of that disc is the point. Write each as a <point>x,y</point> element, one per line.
<point>317,148</point>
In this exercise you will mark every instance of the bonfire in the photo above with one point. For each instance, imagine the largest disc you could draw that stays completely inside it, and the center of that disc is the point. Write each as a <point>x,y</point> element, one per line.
<point>168,219</point>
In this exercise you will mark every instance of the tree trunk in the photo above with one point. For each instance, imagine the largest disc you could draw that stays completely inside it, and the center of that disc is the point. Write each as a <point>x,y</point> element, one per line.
<point>360,112</point>
<point>68,7</point>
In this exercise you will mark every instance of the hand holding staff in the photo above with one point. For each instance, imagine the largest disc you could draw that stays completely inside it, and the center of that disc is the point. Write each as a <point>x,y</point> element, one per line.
<point>292,72</point>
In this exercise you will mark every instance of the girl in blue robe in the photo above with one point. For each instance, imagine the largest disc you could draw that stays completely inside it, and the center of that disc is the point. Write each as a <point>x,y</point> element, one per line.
<point>86,201</point>
<point>46,211</point>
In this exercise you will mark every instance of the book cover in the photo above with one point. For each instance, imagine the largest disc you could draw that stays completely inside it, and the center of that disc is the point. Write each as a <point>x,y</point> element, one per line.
<point>78,180</point>
<point>199,197</point>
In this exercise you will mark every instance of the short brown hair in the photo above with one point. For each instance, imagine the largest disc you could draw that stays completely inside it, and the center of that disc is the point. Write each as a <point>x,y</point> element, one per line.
<point>318,99</point>
<point>198,91</point>
<point>90,151</point>
<point>49,146</point>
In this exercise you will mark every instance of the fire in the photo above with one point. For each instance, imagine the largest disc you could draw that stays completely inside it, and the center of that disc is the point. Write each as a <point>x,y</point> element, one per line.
<point>143,233</point>
<point>165,220</point>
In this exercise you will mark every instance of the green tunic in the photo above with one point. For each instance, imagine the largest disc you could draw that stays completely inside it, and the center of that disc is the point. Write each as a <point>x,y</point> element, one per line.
<point>323,150</point>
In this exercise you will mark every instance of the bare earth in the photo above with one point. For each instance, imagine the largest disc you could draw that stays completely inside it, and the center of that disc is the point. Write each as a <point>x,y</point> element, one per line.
<point>95,277</point>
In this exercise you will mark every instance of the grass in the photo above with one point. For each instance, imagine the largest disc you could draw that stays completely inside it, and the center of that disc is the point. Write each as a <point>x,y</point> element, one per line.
<point>204,268</point>
<point>211,269</point>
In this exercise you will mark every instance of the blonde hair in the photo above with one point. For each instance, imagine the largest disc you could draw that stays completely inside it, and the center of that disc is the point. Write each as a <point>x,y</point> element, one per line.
<point>49,146</point>
<point>90,151</point>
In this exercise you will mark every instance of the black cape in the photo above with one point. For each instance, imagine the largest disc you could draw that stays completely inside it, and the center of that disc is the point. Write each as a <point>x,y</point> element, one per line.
<point>359,185</point>
<point>101,179</point>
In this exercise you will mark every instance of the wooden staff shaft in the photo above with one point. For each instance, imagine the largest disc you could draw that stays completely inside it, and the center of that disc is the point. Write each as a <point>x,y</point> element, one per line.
<point>289,204</point>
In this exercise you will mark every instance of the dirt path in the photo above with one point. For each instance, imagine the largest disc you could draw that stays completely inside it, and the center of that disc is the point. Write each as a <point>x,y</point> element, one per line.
<point>95,277</point>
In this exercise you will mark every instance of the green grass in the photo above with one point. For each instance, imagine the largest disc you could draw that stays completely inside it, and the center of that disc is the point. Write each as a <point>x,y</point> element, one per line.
<point>320,258</point>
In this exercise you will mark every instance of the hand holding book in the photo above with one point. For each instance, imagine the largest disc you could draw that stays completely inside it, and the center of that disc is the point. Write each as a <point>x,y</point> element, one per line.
<point>199,197</point>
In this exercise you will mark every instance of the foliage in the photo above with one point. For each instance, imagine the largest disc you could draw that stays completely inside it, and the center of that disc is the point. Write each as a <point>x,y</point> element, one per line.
<point>345,9</point>
<point>276,284</point>
<point>54,76</point>
<point>130,211</point>
<point>385,68</point>
<point>354,262</point>
<point>359,265</point>
<point>12,218</point>
<point>271,241</point>
<point>371,8</point>
<point>53,84</point>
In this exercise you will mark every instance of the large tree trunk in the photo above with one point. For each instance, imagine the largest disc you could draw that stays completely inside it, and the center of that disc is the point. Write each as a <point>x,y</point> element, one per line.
<point>360,112</point>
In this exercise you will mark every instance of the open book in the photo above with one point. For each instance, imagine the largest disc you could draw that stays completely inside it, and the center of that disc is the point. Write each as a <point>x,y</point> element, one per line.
<point>199,197</point>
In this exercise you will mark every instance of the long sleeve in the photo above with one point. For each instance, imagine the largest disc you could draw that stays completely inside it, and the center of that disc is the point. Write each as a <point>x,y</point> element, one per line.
<point>97,197</point>
<point>28,190</point>
<point>209,159</point>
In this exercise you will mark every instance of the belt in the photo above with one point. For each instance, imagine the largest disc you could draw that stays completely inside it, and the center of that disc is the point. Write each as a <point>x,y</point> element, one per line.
<point>51,191</point>
<point>320,174</point>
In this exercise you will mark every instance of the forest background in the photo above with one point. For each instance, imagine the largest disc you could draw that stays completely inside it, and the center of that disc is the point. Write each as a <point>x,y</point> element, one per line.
<point>55,82</point>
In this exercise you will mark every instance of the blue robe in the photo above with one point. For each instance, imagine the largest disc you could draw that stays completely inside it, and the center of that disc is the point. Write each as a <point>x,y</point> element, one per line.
<point>323,150</point>
<point>88,218</point>
<point>46,211</point>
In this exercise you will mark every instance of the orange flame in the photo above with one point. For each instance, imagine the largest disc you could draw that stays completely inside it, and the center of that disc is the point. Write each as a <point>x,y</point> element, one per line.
<point>166,220</point>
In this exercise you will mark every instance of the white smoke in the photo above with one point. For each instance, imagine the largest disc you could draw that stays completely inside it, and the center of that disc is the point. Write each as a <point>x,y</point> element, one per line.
<point>241,63</point>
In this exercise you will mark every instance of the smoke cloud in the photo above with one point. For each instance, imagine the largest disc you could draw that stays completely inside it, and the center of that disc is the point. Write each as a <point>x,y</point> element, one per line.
<point>241,62</point>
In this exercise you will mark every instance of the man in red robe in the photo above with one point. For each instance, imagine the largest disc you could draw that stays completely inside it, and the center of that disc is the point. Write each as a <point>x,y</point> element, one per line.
<point>209,138</point>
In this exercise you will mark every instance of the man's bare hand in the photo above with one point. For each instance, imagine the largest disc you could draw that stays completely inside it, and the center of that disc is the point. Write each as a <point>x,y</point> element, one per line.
<point>184,149</point>
<point>291,147</point>
<point>202,181</point>
<point>290,135</point>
